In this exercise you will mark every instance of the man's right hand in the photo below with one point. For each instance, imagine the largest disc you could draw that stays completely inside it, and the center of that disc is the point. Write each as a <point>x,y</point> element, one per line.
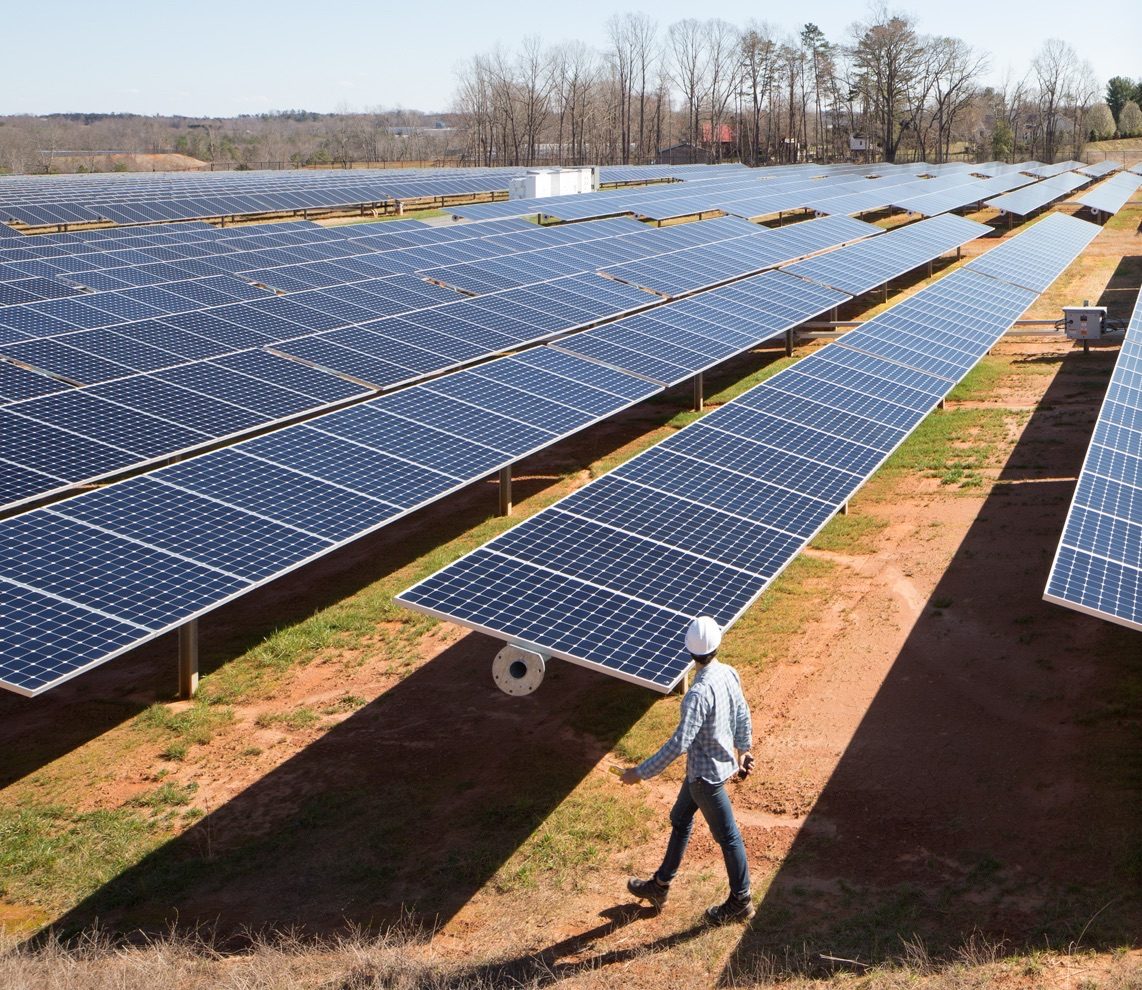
<point>746,766</point>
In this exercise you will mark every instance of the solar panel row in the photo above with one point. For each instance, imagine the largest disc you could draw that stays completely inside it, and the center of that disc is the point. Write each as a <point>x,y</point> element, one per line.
<point>1112,195</point>
<point>1098,566</point>
<point>1031,198</point>
<point>161,387</point>
<point>700,524</point>
<point>246,513</point>
<point>863,266</point>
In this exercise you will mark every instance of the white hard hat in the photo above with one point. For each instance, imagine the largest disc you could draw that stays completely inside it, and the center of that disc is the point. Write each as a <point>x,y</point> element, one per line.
<point>704,636</point>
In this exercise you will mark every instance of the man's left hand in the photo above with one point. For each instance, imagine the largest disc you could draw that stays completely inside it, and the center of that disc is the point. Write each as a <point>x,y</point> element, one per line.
<point>630,776</point>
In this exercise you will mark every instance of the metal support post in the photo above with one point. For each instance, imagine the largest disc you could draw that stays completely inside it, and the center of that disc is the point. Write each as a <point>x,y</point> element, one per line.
<point>929,269</point>
<point>942,404</point>
<point>844,510</point>
<point>188,659</point>
<point>699,392</point>
<point>789,342</point>
<point>506,491</point>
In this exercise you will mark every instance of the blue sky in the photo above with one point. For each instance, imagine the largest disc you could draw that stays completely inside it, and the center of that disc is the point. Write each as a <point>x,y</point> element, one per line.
<point>213,58</point>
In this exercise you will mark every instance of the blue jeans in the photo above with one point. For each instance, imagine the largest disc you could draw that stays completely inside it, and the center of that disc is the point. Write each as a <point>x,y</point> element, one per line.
<point>714,802</point>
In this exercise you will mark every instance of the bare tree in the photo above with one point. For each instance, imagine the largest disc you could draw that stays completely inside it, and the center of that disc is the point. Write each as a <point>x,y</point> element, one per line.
<point>889,57</point>
<point>723,43</point>
<point>758,54</point>
<point>690,60</point>
<point>1054,67</point>
<point>958,66</point>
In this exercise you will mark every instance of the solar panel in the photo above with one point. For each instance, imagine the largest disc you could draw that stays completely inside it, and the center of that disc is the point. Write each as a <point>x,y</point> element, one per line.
<point>1032,259</point>
<point>1112,195</point>
<point>796,472</point>
<point>17,383</point>
<point>97,570</point>
<point>189,525</point>
<point>1098,565</point>
<point>1030,198</point>
<point>865,265</point>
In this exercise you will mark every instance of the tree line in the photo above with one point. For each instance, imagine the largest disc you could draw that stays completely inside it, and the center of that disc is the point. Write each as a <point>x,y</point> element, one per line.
<point>760,94</point>
<point>709,89</point>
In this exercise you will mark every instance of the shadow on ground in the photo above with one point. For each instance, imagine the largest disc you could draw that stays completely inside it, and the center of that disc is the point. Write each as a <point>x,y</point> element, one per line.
<point>992,790</point>
<point>400,813</point>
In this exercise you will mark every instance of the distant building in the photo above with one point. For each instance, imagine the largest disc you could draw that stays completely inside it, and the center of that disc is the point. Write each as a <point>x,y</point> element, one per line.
<point>683,154</point>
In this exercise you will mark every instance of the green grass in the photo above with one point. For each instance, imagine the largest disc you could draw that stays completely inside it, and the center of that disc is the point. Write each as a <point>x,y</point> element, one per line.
<point>855,533</point>
<point>596,819</point>
<point>764,633</point>
<point>53,856</point>
<point>192,726</point>
<point>302,717</point>
<point>168,795</point>
<point>954,446</point>
<point>346,703</point>
<point>980,381</point>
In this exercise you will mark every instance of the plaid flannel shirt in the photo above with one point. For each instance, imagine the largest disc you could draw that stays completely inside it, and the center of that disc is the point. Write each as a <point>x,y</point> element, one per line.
<point>715,720</point>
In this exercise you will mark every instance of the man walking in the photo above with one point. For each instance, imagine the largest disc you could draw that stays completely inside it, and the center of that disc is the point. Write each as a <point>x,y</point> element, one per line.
<point>714,729</point>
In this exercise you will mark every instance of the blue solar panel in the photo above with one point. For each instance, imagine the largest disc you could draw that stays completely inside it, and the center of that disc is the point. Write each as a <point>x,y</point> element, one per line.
<point>587,372</point>
<point>58,357</point>
<point>355,467</point>
<point>88,415</point>
<point>483,393</point>
<point>415,442</point>
<point>203,413</point>
<point>529,604</point>
<point>17,383</point>
<point>375,343</point>
<point>109,345</point>
<point>44,639</point>
<point>271,401</point>
<point>644,569</point>
<point>1032,260</point>
<point>316,385</point>
<point>181,522</point>
<point>610,353</point>
<point>801,443</point>
<point>490,429</point>
<point>290,497</point>
<point>98,570</point>
<point>325,353</point>
<point>183,343</point>
<point>18,483</point>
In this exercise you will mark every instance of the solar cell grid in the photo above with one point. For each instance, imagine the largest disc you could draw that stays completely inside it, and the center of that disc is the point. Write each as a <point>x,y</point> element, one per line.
<point>180,522</point>
<point>98,570</point>
<point>45,640</point>
<point>644,569</point>
<point>483,393</point>
<point>444,452</point>
<point>375,372</point>
<point>460,419</point>
<point>356,468</point>
<point>290,497</point>
<point>203,413</point>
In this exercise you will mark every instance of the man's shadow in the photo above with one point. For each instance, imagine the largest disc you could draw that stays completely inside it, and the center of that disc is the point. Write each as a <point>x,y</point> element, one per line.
<point>565,959</point>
